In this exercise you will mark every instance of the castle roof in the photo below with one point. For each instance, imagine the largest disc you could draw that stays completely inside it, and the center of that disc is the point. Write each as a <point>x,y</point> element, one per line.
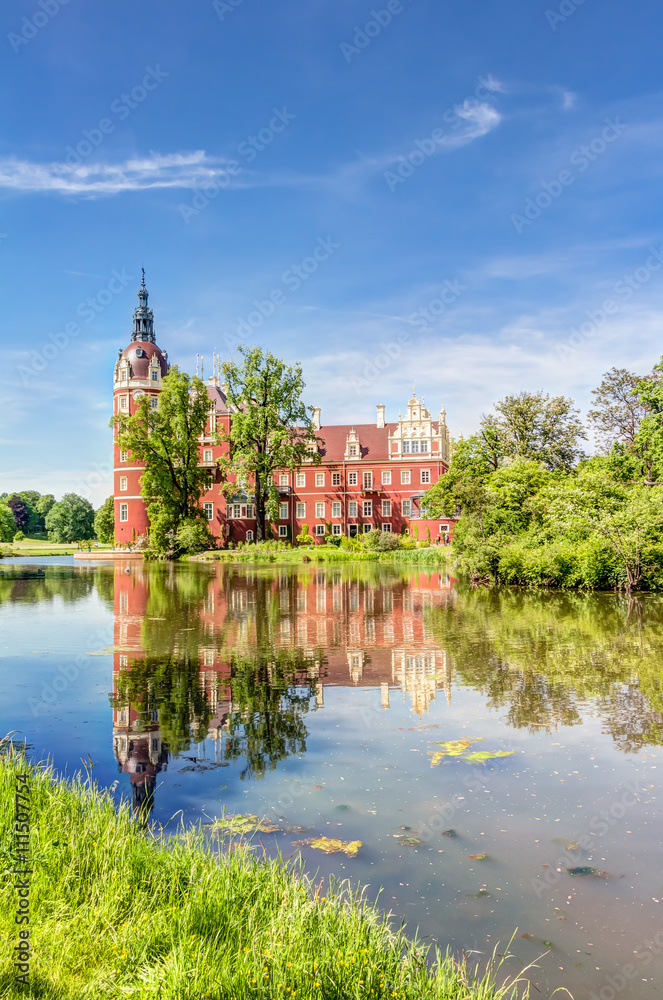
<point>139,353</point>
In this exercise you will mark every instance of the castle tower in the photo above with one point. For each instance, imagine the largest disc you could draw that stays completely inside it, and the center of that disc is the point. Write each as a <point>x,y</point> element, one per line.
<point>139,370</point>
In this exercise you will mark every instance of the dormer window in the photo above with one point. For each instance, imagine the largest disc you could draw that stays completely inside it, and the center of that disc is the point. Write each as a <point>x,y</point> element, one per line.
<point>155,376</point>
<point>406,447</point>
<point>415,447</point>
<point>124,375</point>
<point>353,451</point>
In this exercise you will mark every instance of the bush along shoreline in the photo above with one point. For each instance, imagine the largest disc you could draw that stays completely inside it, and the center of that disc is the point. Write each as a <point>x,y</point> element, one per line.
<point>117,911</point>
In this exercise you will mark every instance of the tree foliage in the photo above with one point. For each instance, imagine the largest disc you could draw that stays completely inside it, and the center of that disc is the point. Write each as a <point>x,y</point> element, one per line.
<point>649,439</point>
<point>104,521</point>
<point>618,411</point>
<point>536,427</point>
<point>19,509</point>
<point>166,439</point>
<point>70,520</point>
<point>271,428</point>
<point>7,523</point>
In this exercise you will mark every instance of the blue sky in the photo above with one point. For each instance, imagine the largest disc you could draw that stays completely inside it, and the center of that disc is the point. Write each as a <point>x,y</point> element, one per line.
<point>480,181</point>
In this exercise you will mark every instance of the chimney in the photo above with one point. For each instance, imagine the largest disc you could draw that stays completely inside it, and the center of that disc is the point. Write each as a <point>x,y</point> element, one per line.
<point>381,409</point>
<point>316,417</point>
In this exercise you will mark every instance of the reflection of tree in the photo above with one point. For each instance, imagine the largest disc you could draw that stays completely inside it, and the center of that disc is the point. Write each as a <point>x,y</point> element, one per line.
<point>270,695</point>
<point>34,584</point>
<point>173,623</point>
<point>541,655</point>
<point>172,688</point>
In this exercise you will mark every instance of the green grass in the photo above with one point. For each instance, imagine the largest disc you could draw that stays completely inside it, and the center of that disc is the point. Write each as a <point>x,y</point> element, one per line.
<point>118,913</point>
<point>39,547</point>
<point>326,554</point>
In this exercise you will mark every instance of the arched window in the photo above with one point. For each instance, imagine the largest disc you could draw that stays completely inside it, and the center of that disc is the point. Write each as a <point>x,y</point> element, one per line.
<point>249,536</point>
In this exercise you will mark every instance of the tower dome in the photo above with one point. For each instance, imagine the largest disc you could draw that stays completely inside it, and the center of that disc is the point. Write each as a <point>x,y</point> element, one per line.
<point>143,316</point>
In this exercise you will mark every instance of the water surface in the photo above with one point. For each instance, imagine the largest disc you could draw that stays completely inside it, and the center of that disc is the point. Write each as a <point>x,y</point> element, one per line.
<point>317,696</point>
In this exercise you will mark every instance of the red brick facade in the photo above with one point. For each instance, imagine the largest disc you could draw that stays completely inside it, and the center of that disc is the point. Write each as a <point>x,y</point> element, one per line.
<point>371,476</point>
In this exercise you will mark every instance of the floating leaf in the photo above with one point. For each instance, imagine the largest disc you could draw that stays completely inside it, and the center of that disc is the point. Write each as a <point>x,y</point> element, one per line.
<point>586,870</point>
<point>332,846</point>
<point>484,755</point>
<point>528,937</point>
<point>477,895</point>
<point>449,833</point>
<point>239,824</point>
<point>548,944</point>
<point>568,845</point>
<point>478,857</point>
<point>410,841</point>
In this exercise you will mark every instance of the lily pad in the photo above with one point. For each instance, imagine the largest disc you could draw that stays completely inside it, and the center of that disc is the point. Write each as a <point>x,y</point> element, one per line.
<point>240,825</point>
<point>410,841</point>
<point>478,857</point>
<point>330,846</point>
<point>452,748</point>
<point>586,870</point>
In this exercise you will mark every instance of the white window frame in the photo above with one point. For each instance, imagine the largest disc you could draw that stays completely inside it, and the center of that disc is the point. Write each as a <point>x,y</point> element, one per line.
<point>352,451</point>
<point>283,530</point>
<point>124,512</point>
<point>249,510</point>
<point>319,479</point>
<point>207,455</point>
<point>367,528</point>
<point>124,402</point>
<point>283,479</point>
<point>386,478</point>
<point>249,535</point>
<point>352,478</point>
<point>405,448</point>
<point>301,479</point>
<point>283,512</point>
<point>124,456</point>
<point>336,508</point>
<point>425,476</point>
<point>320,509</point>
<point>319,529</point>
<point>386,526</point>
<point>301,509</point>
<point>406,508</point>
<point>367,508</point>
<point>123,482</point>
<point>209,510</point>
<point>406,477</point>
<point>367,480</point>
<point>154,402</point>
<point>236,510</point>
<point>353,509</point>
<point>424,448</point>
<point>386,508</point>
<point>336,529</point>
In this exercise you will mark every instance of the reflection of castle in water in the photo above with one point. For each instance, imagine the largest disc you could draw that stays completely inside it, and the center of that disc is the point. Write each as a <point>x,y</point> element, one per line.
<point>345,632</point>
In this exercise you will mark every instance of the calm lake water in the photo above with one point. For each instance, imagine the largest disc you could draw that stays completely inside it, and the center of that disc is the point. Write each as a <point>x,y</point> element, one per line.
<point>317,697</point>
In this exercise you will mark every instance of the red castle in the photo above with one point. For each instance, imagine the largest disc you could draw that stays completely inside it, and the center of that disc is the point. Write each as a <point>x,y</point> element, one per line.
<point>371,476</point>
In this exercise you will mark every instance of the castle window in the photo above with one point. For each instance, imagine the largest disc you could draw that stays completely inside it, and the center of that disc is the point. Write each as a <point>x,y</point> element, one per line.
<point>124,375</point>
<point>367,528</point>
<point>425,475</point>
<point>319,529</point>
<point>336,478</point>
<point>424,446</point>
<point>155,376</point>
<point>352,478</point>
<point>407,508</point>
<point>124,456</point>
<point>319,479</point>
<point>336,529</point>
<point>155,402</point>
<point>386,508</point>
<point>301,479</point>
<point>283,530</point>
<point>406,448</point>
<point>283,511</point>
<point>123,482</point>
<point>301,510</point>
<point>336,509</point>
<point>319,510</point>
<point>368,480</point>
<point>386,478</point>
<point>283,479</point>
<point>207,455</point>
<point>237,510</point>
<point>124,402</point>
<point>124,512</point>
<point>249,510</point>
<point>387,526</point>
<point>249,536</point>
<point>368,508</point>
<point>415,447</point>
<point>405,476</point>
<point>353,451</point>
<point>352,508</point>
<point>209,511</point>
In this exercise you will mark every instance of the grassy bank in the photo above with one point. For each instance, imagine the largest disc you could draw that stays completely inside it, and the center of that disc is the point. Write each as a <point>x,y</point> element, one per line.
<point>116,913</point>
<point>434,556</point>
<point>38,547</point>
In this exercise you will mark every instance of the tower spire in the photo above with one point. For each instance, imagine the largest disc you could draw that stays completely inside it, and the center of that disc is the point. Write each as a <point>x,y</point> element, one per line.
<point>143,316</point>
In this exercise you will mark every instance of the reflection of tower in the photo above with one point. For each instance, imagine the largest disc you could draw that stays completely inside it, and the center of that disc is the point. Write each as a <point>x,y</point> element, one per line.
<point>419,674</point>
<point>141,755</point>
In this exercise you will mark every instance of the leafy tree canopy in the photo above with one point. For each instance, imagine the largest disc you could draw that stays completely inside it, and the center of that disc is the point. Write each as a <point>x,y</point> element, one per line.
<point>70,520</point>
<point>104,521</point>
<point>534,426</point>
<point>271,428</point>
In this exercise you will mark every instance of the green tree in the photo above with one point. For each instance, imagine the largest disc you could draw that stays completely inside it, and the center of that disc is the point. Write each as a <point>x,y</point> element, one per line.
<point>7,522</point>
<point>167,440</point>
<point>271,428</point>
<point>104,521</point>
<point>70,520</point>
<point>649,439</point>
<point>618,410</point>
<point>535,426</point>
<point>19,509</point>
<point>42,507</point>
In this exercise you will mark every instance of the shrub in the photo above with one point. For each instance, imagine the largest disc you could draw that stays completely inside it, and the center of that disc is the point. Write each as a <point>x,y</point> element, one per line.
<point>19,536</point>
<point>193,536</point>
